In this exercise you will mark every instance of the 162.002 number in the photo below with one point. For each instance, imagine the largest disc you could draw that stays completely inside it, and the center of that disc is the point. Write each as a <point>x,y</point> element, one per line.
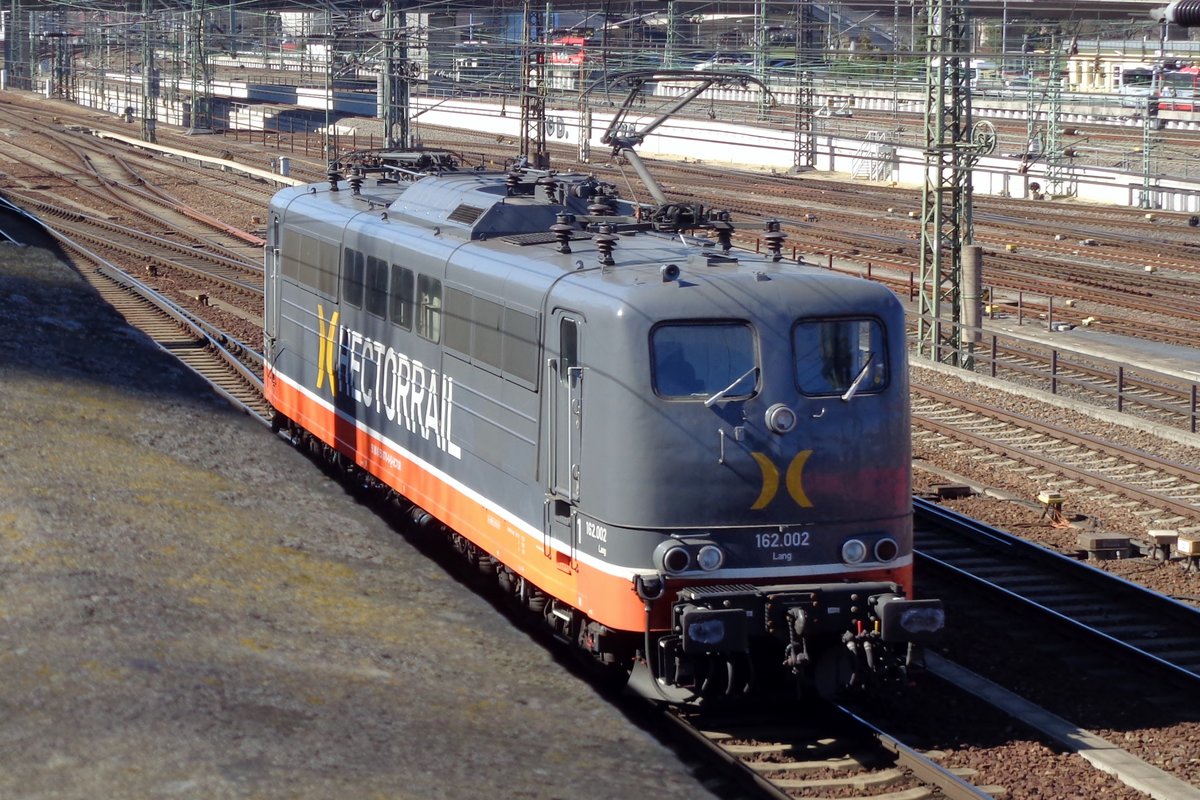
<point>776,539</point>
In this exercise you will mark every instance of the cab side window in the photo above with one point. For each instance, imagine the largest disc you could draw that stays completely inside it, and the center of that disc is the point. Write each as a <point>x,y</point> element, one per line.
<point>429,308</point>
<point>353,269</point>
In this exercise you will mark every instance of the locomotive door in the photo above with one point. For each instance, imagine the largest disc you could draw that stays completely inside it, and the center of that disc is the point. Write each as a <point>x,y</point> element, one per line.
<point>271,323</point>
<point>564,426</point>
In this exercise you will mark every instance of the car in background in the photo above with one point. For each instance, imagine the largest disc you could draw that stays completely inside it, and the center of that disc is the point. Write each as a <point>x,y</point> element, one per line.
<point>723,62</point>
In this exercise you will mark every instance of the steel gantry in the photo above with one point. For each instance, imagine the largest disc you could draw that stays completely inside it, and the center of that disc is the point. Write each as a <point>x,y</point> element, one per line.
<point>201,78</point>
<point>395,89</point>
<point>1059,181</point>
<point>952,146</point>
<point>150,85</point>
<point>805,143</point>
<point>533,93</point>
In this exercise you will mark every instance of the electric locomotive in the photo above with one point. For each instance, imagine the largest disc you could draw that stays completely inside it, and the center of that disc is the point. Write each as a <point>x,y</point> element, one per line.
<point>678,453</point>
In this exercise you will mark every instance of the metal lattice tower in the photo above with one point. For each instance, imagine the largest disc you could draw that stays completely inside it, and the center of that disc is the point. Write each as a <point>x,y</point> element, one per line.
<point>1034,139</point>
<point>201,83</point>
<point>805,155</point>
<point>946,199</point>
<point>533,94</point>
<point>1058,177</point>
<point>396,90</point>
<point>16,45</point>
<point>62,71</point>
<point>1149,125</point>
<point>760,54</point>
<point>149,84</point>
<point>671,54</point>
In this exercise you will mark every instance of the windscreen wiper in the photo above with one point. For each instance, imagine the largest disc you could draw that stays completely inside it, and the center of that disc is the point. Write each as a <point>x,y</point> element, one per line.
<point>858,379</point>
<point>716,398</point>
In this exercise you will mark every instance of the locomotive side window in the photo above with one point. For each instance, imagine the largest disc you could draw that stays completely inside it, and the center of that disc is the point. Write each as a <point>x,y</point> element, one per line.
<point>491,335</point>
<point>353,267</point>
<point>327,268</point>
<point>698,360</point>
<point>309,261</point>
<point>401,311</point>
<point>376,300</point>
<point>568,340</point>
<point>831,356</point>
<point>429,307</point>
<point>290,255</point>
<point>520,346</point>
<point>457,309</point>
<point>485,326</point>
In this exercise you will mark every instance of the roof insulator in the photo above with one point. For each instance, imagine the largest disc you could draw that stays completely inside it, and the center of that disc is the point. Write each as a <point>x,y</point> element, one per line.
<point>605,241</point>
<point>774,238</point>
<point>562,227</point>
<point>723,225</point>
<point>600,208</point>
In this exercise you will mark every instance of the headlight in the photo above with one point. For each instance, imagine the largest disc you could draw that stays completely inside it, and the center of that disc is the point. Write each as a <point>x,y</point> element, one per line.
<point>780,418</point>
<point>676,559</point>
<point>923,619</point>
<point>921,622</point>
<point>713,630</point>
<point>886,549</point>
<point>710,557</point>
<point>854,551</point>
<point>707,632</point>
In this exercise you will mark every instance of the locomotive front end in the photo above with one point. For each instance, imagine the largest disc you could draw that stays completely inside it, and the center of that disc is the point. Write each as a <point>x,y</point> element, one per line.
<point>773,506</point>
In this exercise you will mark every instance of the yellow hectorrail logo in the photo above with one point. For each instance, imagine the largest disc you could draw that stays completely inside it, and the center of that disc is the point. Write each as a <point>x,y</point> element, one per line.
<point>325,345</point>
<point>794,480</point>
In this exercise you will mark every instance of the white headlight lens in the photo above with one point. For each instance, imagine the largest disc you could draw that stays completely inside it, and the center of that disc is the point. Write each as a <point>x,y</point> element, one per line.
<point>854,551</point>
<point>780,418</point>
<point>710,557</point>
<point>923,620</point>
<point>708,632</point>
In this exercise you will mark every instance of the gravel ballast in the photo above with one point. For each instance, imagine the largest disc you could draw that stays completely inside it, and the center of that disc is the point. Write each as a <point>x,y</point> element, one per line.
<point>189,607</point>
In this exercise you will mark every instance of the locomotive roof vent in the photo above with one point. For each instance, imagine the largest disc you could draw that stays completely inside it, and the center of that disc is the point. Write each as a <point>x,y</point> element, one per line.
<point>465,213</point>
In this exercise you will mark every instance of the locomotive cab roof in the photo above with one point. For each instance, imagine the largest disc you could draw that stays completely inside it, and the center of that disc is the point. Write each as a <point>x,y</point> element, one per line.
<point>484,205</point>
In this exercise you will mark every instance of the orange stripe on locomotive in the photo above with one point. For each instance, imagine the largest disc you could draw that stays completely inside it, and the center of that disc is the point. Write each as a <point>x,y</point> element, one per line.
<point>606,598</point>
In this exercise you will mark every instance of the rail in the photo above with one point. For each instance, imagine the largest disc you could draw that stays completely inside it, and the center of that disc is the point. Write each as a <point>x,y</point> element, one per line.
<point>1150,626</point>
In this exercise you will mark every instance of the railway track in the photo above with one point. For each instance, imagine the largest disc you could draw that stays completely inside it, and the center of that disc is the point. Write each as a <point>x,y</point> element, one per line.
<point>103,181</point>
<point>231,367</point>
<point>721,736</point>
<point>155,251</point>
<point>784,752</point>
<point>1155,630</point>
<point>831,752</point>
<point>1172,403</point>
<point>1060,459</point>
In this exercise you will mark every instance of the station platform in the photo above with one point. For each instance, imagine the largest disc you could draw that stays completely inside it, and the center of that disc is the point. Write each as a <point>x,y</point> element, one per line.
<point>1167,359</point>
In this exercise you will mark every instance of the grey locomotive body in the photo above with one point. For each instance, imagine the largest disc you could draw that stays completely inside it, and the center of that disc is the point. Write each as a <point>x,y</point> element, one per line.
<point>677,452</point>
